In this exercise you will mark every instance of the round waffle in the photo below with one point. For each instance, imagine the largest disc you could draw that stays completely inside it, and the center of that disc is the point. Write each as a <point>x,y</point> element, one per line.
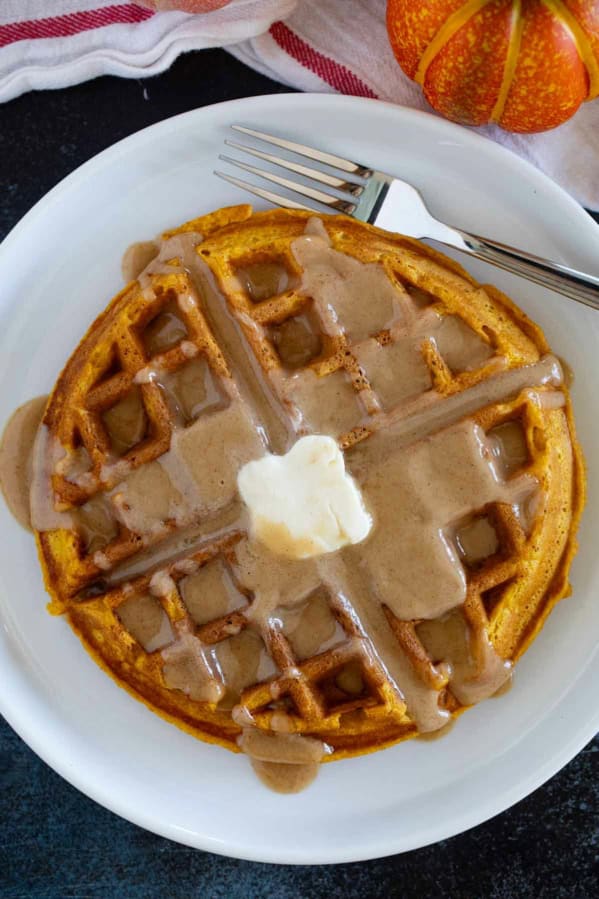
<point>242,333</point>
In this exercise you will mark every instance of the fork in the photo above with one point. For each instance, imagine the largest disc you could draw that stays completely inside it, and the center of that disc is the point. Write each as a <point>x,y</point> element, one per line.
<point>363,193</point>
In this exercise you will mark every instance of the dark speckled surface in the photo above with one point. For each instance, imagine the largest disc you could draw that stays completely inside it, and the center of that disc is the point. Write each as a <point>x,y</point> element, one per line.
<point>54,842</point>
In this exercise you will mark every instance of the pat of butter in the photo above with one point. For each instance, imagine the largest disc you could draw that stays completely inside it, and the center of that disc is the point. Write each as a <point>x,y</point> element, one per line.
<point>304,503</point>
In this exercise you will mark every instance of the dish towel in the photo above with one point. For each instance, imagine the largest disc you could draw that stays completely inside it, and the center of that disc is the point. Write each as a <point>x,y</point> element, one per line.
<point>313,45</point>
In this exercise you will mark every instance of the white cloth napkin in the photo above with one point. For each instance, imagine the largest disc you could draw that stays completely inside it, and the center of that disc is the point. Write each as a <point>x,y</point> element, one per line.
<point>316,45</point>
<point>56,43</point>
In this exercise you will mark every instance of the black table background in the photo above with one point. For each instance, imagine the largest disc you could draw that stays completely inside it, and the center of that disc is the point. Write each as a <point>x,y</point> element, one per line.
<point>54,842</point>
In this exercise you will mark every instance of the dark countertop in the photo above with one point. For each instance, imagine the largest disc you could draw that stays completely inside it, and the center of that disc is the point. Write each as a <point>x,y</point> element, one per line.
<point>54,841</point>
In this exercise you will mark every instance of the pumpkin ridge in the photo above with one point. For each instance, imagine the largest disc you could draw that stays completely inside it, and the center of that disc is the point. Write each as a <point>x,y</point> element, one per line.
<point>585,51</point>
<point>451,25</point>
<point>511,61</point>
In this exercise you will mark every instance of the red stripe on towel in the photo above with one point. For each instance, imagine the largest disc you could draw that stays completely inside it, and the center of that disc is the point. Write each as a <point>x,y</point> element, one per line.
<point>73,23</point>
<point>335,74</point>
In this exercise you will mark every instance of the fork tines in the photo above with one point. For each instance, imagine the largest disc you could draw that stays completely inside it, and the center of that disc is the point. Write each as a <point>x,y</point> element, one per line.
<point>348,188</point>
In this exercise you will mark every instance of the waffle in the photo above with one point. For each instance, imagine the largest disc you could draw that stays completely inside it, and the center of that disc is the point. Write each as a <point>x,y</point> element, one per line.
<point>244,332</point>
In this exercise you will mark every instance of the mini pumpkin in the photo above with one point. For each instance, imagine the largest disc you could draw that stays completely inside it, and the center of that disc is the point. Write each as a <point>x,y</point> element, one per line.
<point>525,64</point>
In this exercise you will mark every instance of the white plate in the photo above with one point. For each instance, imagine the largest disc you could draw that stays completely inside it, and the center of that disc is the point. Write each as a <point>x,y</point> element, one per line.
<point>59,268</point>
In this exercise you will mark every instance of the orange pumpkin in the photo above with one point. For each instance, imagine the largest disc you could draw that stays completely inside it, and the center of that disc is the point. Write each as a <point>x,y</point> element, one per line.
<point>525,64</point>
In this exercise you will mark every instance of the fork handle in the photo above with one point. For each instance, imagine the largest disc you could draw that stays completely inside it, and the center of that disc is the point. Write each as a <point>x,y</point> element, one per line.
<point>568,281</point>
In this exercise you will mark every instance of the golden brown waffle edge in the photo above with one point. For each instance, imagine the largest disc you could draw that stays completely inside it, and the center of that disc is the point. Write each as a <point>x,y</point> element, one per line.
<point>233,239</point>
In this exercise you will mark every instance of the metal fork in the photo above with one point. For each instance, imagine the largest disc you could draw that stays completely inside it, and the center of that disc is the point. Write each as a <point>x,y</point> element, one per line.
<point>359,191</point>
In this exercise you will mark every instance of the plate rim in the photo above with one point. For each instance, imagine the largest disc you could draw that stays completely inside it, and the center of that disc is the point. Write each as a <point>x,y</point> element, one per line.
<point>24,724</point>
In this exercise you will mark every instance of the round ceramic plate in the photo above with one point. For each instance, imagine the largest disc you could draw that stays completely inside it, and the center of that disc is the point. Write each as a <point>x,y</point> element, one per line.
<point>60,266</point>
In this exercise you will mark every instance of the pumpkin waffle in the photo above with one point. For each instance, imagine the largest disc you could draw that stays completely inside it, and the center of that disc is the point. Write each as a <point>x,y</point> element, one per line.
<point>244,332</point>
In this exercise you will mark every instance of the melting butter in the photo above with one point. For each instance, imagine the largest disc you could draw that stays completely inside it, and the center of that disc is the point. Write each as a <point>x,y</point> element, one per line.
<point>322,510</point>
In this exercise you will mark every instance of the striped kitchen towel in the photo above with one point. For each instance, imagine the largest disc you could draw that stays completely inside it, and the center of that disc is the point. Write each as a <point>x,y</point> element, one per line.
<point>55,43</point>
